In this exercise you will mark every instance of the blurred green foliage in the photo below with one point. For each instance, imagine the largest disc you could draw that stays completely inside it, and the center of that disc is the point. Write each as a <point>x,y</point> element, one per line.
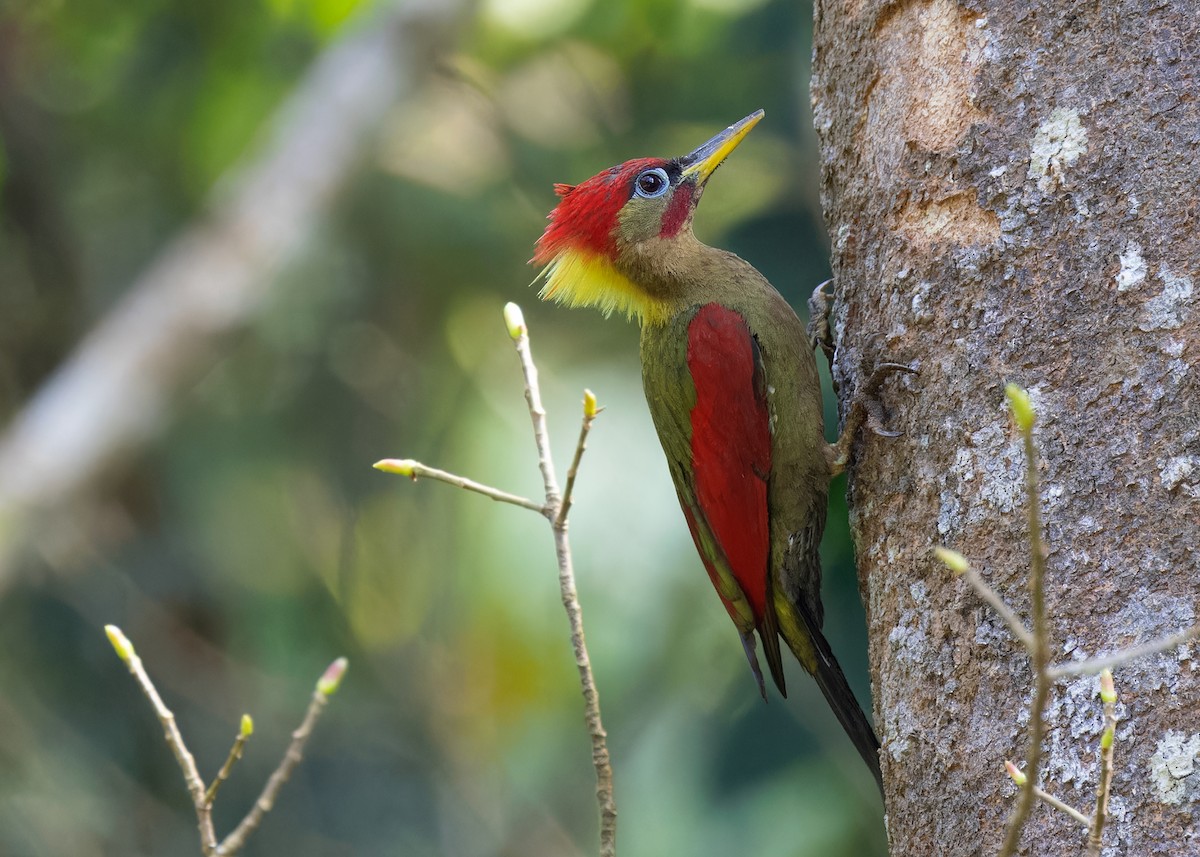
<point>253,542</point>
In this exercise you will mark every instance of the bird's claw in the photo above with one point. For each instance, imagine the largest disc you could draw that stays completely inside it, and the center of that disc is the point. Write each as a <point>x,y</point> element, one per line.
<point>867,408</point>
<point>875,419</point>
<point>819,335</point>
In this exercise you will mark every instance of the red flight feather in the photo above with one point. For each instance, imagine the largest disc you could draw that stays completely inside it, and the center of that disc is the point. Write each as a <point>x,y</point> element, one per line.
<point>731,446</point>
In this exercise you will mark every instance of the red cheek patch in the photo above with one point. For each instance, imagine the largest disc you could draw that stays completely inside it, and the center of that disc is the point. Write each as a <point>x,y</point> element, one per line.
<point>677,211</point>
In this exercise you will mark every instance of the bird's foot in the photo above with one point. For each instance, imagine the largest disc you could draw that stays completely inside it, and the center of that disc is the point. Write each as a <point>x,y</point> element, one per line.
<point>820,303</point>
<point>865,408</point>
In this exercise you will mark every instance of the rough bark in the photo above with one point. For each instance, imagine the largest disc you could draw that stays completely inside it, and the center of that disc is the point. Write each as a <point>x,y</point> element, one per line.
<point>1011,194</point>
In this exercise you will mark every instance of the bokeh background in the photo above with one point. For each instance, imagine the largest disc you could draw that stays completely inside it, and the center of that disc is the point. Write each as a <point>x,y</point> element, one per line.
<point>250,542</point>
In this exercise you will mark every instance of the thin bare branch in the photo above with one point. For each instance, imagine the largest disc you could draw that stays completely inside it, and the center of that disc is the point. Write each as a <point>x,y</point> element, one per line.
<point>992,597</point>
<point>415,470</point>
<point>202,799</point>
<point>1040,650</point>
<point>1051,800</point>
<point>555,510</point>
<point>235,753</point>
<point>295,753</point>
<point>601,760</point>
<point>590,412</point>
<point>1092,666</point>
<point>187,763</point>
<point>1108,694</point>
<point>537,413</point>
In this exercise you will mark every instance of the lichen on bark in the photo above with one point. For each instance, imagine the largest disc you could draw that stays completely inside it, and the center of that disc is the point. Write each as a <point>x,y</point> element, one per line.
<point>1011,194</point>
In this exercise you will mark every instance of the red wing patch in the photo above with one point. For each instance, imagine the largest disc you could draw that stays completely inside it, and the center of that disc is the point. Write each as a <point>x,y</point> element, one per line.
<point>731,445</point>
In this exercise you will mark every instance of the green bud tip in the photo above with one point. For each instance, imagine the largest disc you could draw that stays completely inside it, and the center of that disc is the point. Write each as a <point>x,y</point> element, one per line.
<point>247,726</point>
<point>327,685</point>
<point>514,320</point>
<point>1022,408</point>
<point>120,642</point>
<point>589,405</point>
<point>399,466</point>
<point>953,560</point>
<point>1106,739</point>
<point>1108,690</point>
<point>1015,773</point>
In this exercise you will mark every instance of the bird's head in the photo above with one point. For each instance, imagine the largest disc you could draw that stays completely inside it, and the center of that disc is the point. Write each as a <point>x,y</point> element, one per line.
<point>614,242</point>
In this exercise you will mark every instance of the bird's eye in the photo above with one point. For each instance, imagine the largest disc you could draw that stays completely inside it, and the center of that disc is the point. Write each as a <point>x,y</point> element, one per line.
<point>652,183</point>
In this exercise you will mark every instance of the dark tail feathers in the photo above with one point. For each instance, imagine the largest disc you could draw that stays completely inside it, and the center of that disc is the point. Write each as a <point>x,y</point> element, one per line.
<point>813,651</point>
<point>840,697</point>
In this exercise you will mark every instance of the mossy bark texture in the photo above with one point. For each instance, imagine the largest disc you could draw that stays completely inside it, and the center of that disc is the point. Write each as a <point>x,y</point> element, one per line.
<point>1011,193</point>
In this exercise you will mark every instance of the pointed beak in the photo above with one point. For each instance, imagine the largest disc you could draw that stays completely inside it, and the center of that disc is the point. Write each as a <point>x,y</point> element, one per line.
<point>703,162</point>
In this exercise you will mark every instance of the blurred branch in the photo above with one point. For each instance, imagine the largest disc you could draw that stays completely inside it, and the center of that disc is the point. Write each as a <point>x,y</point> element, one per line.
<point>116,390</point>
<point>1039,645</point>
<point>327,685</point>
<point>202,799</point>
<point>1108,695</point>
<point>1050,800</point>
<point>1098,665</point>
<point>187,763</point>
<point>235,754</point>
<point>555,510</point>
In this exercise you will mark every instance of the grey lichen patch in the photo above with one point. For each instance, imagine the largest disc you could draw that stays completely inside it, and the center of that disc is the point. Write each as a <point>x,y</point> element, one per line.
<point>1000,460</point>
<point>910,646</point>
<point>922,310</point>
<point>1168,309</point>
<point>1181,470</point>
<point>1172,765</point>
<point>909,639</point>
<point>1058,143</point>
<point>900,724</point>
<point>1075,717</point>
<point>1133,267</point>
<point>997,461</point>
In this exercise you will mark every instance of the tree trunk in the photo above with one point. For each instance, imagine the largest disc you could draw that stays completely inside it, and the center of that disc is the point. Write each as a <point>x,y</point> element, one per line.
<point>1011,194</point>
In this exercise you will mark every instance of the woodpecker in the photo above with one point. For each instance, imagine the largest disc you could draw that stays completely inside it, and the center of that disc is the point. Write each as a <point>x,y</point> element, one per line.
<point>732,386</point>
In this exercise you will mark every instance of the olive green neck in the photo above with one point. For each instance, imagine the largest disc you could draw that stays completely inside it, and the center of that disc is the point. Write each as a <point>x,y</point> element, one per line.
<point>681,272</point>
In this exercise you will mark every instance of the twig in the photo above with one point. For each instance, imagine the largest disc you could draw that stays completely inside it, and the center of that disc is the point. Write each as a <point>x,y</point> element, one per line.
<point>1092,666</point>
<point>589,416</point>
<point>1051,800</point>
<point>555,510</point>
<point>957,563</point>
<point>187,763</point>
<point>1040,650</point>
<point>235,753</point>
<point>515,321</point>
<point>325,688</point>
<point>202,799</point>
<point>566,576</point>
<point>416,470</point>
<point>1108,695</point>
<point>1045,797</point>
<point>1015,625</point>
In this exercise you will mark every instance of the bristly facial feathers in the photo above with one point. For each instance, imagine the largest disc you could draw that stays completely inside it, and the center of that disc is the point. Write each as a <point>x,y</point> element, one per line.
<point>579,248</point>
